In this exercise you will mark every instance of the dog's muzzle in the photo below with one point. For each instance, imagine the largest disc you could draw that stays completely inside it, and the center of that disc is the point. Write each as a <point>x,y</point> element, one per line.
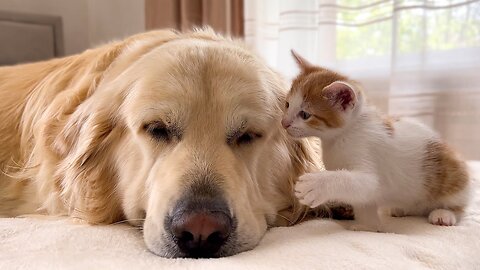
<point>201,223</point>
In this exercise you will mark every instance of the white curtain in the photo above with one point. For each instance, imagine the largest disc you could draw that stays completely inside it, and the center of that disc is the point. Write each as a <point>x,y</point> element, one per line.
<point>415,58</point>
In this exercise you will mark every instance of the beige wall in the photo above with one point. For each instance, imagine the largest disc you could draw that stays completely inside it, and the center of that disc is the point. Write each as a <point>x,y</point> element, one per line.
<point>87,23</point>
<point>114,19</point>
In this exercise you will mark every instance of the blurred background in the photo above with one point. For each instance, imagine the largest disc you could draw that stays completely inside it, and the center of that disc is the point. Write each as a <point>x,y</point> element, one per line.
<point>415,58</point>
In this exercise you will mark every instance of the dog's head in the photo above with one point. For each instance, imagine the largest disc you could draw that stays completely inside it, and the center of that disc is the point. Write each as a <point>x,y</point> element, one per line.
<point>184,139</point>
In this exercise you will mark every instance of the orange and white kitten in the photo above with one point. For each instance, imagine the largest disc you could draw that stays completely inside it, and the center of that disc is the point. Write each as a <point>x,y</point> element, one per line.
<point>371,161</point>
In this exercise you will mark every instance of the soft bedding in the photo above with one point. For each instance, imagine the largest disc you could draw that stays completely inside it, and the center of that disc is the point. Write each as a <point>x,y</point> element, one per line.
<point>47,243</point>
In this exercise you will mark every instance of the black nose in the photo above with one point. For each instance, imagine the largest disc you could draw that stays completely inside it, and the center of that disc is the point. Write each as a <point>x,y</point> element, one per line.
<point>201,223</point>
<point>201,234</point>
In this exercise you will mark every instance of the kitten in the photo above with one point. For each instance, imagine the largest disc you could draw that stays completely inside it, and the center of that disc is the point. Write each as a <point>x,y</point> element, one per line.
<point>371,161</point>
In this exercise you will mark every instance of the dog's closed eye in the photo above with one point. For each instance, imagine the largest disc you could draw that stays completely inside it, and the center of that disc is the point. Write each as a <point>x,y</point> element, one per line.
<point>160,131</point>
<point>244,138</point>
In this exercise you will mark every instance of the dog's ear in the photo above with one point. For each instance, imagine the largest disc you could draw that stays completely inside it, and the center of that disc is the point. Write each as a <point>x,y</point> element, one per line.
<point>85,168</point>
<point>76,135</point>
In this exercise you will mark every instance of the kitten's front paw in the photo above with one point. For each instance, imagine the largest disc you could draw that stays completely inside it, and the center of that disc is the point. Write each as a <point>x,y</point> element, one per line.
<point>442,217</point>
<point>309,190</point>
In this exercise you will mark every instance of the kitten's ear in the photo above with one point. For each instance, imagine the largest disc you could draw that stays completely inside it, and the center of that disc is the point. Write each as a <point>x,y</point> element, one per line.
<point>340,94</point>
<point>302,63</point>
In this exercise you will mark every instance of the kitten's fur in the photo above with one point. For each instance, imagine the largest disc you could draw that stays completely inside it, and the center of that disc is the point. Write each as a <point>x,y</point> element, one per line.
<point>372,161</point>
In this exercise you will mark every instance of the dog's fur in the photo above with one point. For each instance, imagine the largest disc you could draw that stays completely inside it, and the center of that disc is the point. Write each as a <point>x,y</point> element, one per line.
<point>73,137</point>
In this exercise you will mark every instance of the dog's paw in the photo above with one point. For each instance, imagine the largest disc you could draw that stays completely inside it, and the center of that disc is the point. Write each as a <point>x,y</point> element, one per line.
<point>442,217</point>
<point>309,190</point>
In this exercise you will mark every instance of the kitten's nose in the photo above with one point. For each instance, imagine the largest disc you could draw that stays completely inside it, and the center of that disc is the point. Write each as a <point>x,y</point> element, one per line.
<point>286,123</point>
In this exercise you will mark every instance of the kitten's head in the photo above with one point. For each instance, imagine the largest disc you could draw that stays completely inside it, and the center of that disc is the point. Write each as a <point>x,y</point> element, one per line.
<point>320,102</point>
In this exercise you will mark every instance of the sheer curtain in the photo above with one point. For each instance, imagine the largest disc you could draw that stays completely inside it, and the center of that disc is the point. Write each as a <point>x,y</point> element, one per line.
<point>415,58</point>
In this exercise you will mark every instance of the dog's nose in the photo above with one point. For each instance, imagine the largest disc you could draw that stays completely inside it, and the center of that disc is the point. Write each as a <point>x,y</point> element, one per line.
<point>285,123</point>
<point>201,234</point>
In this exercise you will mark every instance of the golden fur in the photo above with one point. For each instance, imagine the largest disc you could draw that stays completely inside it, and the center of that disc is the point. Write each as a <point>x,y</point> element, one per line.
<point>73,138</point>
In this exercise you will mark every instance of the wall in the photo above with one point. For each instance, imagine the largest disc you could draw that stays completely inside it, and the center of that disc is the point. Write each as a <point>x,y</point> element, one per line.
<point>87,23</point>
<point>114,19</point>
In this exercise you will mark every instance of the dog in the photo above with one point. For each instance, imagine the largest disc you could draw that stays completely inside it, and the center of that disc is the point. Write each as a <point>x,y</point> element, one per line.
<point>177,133</point>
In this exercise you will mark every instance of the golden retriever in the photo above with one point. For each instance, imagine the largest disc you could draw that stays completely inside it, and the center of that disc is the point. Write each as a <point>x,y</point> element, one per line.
<point>178,133</point>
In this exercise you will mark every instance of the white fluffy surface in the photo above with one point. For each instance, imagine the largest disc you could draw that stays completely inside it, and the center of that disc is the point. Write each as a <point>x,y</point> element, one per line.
<point>30,243</point>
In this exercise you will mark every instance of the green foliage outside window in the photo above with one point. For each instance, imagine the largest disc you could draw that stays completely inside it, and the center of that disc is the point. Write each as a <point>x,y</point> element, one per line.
<point>418,29</point>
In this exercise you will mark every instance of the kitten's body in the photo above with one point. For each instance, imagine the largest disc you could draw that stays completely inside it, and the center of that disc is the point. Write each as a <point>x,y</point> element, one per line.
<point>371,161</point>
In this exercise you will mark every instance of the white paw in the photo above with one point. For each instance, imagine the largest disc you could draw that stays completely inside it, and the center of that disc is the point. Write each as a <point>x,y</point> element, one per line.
<point>442,217</point>
<point>310,190</point>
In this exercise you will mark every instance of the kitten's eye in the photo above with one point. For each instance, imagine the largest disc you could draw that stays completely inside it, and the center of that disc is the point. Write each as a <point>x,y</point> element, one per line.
<point>247,138</point>
<point>287,105</point>
<point>304,115</point>
<point>158,131</point>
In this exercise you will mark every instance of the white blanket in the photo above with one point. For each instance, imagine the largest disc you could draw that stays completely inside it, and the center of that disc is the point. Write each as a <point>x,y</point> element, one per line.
<point>30,243</point>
